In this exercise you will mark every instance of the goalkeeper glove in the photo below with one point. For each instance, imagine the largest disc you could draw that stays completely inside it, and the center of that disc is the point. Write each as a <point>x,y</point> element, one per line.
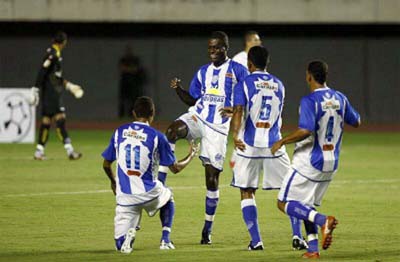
<point>34,98</point>
<point>76,90</point>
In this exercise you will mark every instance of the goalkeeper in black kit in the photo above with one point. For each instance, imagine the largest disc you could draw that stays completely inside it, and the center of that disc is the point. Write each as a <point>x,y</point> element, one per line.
<point>50,86</point>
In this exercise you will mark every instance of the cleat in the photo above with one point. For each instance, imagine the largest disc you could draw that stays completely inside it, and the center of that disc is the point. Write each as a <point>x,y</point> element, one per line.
<point>137,228</point>
<point>311,255</point>
<point>299,244</point>
<point>164,245</point>
<point>327,231</point>
<point>74,156</point>
<point>39,155</point>
<point>205,238</point>
<point>126,247</point>
<point>258,246</point>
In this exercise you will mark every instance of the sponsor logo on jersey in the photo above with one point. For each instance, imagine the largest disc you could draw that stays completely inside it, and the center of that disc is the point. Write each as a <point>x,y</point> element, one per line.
<point>213,98</point>
<point>128,133</point>
<point>330,104</point>
<point>262,84</point>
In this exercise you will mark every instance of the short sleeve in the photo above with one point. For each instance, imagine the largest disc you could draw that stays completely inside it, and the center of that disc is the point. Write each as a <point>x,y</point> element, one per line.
<point>167,157</point>
<point>239,97</point>
<point>351,116</point>
<point>307,116</point>
<point>195,86</point>
<point>241,72</point>
<point>109,153</point>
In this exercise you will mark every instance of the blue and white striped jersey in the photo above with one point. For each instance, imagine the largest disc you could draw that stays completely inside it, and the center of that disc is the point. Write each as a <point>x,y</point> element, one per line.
<point>262,95</point>
<point>323,112</point>
<point>138,149</point>
<point>213,88</point>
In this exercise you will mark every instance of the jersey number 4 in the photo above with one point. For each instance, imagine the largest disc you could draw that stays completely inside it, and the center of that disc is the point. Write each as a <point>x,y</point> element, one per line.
<point>128,159</point>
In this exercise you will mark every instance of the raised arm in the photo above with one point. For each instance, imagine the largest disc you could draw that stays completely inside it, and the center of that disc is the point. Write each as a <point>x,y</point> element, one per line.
<point>181,164</point>
<point>182,93</point>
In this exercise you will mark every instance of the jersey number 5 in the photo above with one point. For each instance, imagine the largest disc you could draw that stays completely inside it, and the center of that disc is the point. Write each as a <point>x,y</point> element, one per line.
<point>128,159</point>
<point>265,108</point>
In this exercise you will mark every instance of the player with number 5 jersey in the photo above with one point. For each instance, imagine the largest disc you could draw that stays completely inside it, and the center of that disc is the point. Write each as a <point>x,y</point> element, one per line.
<point>259,98</point>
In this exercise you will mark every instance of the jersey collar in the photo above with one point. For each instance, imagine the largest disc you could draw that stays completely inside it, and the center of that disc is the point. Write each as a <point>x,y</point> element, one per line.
<point>260,72</point>
<point>322,89</point>
<point>141,123</point>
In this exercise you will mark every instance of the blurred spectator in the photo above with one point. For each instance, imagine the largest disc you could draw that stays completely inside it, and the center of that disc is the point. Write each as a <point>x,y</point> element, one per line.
<point>132,79</point>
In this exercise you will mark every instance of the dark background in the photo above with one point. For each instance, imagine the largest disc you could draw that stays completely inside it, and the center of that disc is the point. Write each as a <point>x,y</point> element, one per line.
<point>364,61</point>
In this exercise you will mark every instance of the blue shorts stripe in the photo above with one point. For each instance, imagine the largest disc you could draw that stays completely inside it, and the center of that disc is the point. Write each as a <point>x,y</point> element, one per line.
<point>288,185</point>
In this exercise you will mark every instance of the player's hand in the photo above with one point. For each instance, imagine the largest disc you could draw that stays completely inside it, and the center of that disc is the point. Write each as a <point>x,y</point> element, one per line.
<point>275,147</point>
<point>114,187</point>
<point>76,90</point>
<point>194,148</point>
<point>239,144</point>
<point>226,111</point>
<point>175,83</point>
<point>34,99</point>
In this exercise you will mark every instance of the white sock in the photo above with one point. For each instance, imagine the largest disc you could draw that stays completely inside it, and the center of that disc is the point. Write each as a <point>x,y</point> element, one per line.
<point>69,148</point>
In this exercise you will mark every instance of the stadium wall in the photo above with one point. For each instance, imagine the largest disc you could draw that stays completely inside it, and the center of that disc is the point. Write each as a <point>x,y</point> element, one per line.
<point>364,61</point>
<point>200,11</point>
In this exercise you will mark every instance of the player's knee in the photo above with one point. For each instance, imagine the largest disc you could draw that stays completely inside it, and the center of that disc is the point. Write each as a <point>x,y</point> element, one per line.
<point>247,193</point>
<point>171,134</point>
<point>46,120</point>
<point>176,130</point>
<point>212,181</point>
<point>281,206</point>
<point>60,116</point>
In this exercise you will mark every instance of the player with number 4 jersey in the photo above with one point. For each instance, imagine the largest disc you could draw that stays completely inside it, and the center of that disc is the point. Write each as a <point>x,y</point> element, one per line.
<point>323,114</point>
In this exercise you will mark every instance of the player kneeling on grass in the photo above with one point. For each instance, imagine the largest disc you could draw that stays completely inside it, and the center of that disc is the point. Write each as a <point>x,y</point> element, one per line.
<point>316,155</point>
<point>138,150</point>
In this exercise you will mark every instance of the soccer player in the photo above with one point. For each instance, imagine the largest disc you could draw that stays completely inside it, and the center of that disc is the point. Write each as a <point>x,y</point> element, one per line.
<point>51,84</point>
<point>251,38</point>
<point>210,91</point>
<point>261,95</point>
<point>316,156</point>
<point>138,150</point>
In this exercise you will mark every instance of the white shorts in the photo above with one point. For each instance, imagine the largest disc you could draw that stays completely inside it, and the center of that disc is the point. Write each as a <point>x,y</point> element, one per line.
<point>297,187</point>
<point>128,216</point>
<point>213,142</point>
<point>246,171</point>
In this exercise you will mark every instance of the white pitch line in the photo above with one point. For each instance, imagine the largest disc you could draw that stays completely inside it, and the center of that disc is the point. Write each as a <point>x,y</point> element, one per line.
<point>377,181</point>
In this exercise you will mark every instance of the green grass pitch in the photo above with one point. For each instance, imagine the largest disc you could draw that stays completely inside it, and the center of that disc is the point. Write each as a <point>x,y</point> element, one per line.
<point>58,210</point>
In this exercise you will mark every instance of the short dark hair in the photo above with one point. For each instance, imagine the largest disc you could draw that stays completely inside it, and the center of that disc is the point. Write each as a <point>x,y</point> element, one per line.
<point>319,70</point>
<point>259,56</point>
<point>59,37</point>
<point>221,36</point>
<point>248,34</point>
<point>144,107</point>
